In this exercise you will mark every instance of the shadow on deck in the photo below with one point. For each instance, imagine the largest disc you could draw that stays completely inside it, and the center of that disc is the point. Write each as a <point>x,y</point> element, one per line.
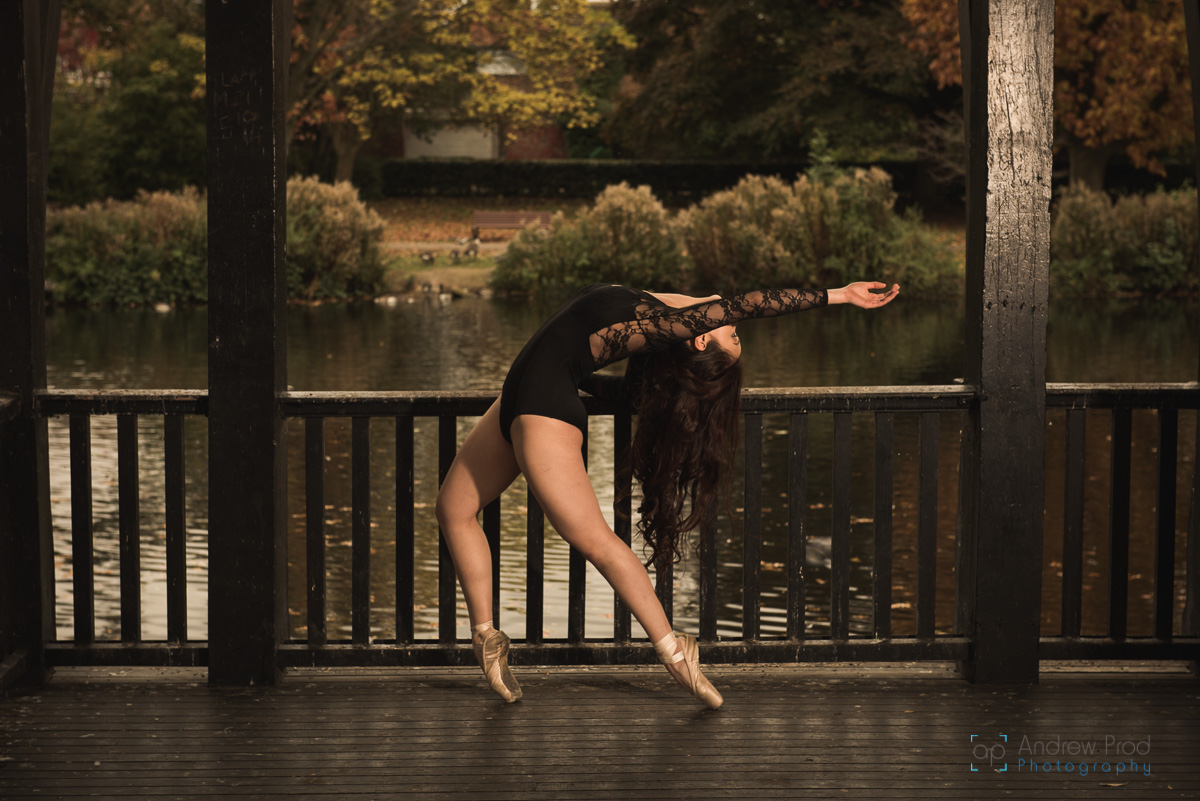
<point>878,731</point>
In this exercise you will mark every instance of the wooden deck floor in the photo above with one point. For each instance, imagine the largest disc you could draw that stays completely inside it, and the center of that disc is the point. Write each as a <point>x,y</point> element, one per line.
<point>793,732</point>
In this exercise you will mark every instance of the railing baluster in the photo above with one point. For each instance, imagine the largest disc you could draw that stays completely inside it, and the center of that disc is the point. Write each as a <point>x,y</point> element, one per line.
<point>176,506</point>
<point>405,530</point>
<point>797,520</point>
<point>535,569</point>
<point>491,529</point>
<point>81,528</point>
<point>884,445</point>
<point>839,613</point>
<point>1191,604</point>
<point>1164,539</point>
<point>314,506</point>
<point>708,574</point>
<point>927,526</point>
<point>360,538</point>
<point>664,588</point>
<point>622,517</point>
<point>1118,536</point>
<point>577,581</point>
<point>1072,558</point>
<point>447,589</point>
<point>128,501</point>
<point>752,544</point>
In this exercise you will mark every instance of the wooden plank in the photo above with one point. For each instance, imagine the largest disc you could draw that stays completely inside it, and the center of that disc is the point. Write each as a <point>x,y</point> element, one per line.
<point>405,530</point>
<point>447,587</point>
<point>82,570</point>
<point>873,732</point>
<point>314,538</point>
<point>797,523</point>
<point>129,528</point>
<point>1164,529</point>
<point>927,525</point>
<point>752,527</point>
<point>839,612</point>
<point>1118,531</point>
<point>882,568</point>
<point>1072,586</point>
<point>176,514</point>
<point>360,537</point>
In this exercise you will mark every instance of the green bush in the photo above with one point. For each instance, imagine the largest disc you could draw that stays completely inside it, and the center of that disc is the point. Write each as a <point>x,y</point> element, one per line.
<point>153,249</point>
<point>150,249</point>
<point>1140,243</point>
<point>624,238</point>
<point>823,231</point>
<point>332,241</point>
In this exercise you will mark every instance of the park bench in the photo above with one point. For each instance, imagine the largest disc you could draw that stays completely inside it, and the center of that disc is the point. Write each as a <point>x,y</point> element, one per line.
<point>504,220</point>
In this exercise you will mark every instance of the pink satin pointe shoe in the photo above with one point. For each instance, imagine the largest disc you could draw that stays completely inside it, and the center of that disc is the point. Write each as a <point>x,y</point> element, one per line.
<point>491,652</point>
<point>688,652</point>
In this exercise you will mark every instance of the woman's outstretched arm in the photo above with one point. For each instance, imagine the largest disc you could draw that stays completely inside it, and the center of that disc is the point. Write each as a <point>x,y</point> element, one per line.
<point>658,331</point>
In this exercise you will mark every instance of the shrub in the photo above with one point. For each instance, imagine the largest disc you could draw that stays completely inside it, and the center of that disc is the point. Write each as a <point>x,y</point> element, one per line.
<point>154,248</point>
<point>1082,243</point>
<point>333,241</point>
<point>1140,243</point>
<point>150,249</point>
<point>624,237</point>
<point>822,231</point>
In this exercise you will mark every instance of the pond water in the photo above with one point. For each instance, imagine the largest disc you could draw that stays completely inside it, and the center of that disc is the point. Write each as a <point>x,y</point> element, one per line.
<point>467,344</point>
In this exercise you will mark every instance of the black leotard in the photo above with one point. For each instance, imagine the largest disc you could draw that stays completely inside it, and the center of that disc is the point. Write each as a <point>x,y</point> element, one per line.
<point>604,323</point>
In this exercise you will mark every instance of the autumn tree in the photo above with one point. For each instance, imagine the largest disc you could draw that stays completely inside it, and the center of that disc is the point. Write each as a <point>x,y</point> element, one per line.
<point>1121,80</point>
<point>753,79</point>
<point>510,63</point>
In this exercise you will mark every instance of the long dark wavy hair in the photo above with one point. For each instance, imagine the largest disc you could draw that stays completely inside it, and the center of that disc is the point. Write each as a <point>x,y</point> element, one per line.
<point>687,432</point>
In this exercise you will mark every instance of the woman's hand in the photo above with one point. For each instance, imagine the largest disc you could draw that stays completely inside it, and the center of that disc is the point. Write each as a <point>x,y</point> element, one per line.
<point>860,294</point>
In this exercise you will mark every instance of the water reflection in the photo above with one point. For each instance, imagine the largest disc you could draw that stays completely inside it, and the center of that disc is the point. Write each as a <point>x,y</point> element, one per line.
<point>468,344</point>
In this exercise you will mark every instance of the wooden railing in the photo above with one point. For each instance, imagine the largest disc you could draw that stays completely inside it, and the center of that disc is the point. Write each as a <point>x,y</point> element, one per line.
<point>928,404</point>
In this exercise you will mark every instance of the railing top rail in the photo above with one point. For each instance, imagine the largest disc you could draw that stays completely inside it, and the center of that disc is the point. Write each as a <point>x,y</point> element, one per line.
<point>939,397</point>
<point>1157,395</point>
<point>121,401</point>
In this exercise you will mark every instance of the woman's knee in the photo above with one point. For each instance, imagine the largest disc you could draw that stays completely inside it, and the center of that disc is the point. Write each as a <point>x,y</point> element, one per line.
<point>451,510</point>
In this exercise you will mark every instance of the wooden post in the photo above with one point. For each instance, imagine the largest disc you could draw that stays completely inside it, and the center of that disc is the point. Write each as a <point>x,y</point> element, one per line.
<point>28,51</point>
<point>1191,612</point>
<point>1008,60</point>
<point>247,57</point>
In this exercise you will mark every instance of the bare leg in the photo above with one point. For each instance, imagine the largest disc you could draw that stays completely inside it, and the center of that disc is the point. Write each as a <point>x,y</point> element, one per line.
<point>548,452</point>
<point>483,468</point>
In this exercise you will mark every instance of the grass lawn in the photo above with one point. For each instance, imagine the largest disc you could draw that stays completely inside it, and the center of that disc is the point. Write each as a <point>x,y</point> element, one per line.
<point>419,219</point>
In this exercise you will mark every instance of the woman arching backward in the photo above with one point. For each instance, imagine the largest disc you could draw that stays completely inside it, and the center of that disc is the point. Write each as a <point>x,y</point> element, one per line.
<point>683,379</point>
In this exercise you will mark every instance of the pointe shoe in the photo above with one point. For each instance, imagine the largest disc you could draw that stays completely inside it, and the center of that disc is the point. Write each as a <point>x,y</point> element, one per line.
<point>689,652</point>
<point>492,655</point>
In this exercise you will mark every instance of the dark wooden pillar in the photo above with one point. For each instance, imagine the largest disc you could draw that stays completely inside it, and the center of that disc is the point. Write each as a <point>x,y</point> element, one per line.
<point>247,57</point>
<point>1191,612</point>
<point>1008,67</point>
<point>28,50</point>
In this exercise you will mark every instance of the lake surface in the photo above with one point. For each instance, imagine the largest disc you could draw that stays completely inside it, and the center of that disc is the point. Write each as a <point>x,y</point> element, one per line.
<point>467,344</point>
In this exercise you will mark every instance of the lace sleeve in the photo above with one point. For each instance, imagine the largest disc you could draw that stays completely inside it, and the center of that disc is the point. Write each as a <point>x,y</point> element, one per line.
<point>659,328</point>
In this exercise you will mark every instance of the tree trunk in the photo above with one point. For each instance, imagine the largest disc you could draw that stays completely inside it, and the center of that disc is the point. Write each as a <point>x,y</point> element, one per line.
<point>346,143</point>
<point>1088,165</point>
